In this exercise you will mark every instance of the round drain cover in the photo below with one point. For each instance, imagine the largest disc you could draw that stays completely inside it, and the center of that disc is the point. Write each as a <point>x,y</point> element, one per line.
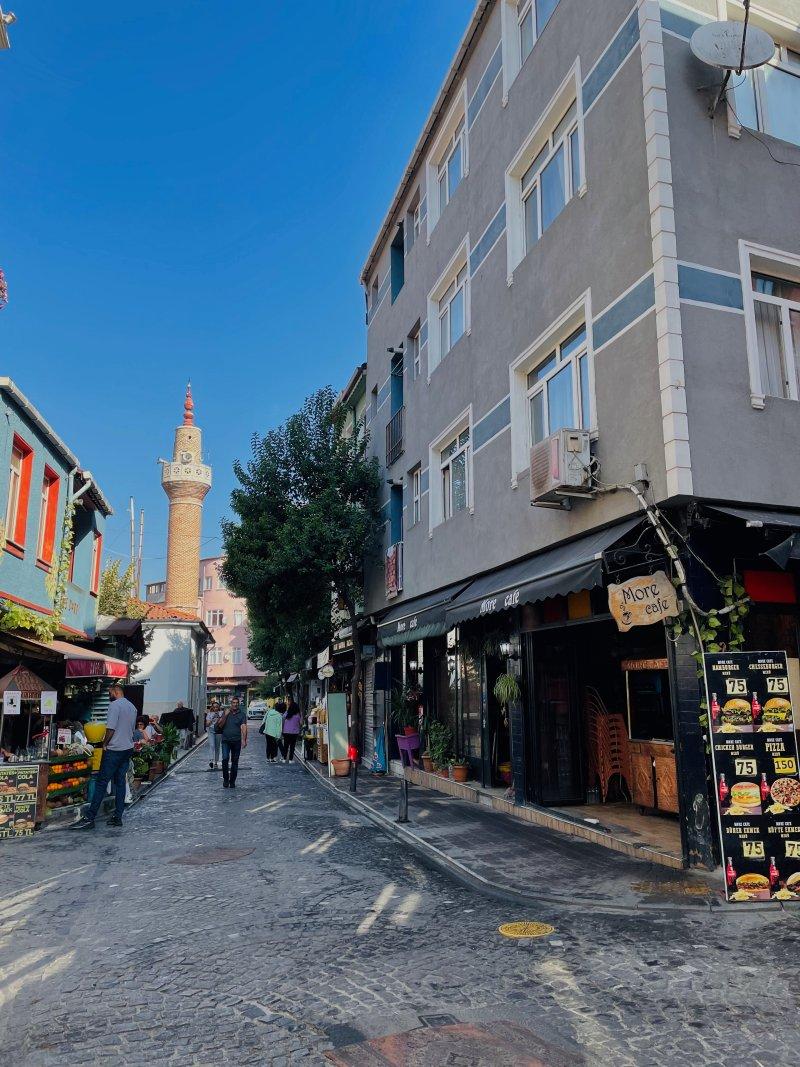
<point>519,930</point>
<point>202,857</point>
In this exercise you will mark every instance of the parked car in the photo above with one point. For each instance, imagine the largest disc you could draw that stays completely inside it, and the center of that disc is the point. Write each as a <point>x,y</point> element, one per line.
<point>256,709</point>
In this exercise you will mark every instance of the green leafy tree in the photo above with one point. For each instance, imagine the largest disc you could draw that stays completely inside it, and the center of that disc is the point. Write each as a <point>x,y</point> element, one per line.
<point>308,515</point>
<point>115,589</point>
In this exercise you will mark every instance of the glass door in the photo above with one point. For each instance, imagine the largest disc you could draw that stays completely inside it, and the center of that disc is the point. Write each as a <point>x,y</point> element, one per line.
<point>558,777</point>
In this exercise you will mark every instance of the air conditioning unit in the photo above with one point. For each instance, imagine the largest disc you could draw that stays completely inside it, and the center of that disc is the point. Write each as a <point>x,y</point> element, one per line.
<point>560,468</point>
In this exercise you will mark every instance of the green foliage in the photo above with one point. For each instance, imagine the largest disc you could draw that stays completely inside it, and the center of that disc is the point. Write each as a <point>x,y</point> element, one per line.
<point>307,514</point>
<point>506,690</point>
<point>405,704</point>
<point>440,744</point>
<point>14,617</point>
<point>168,746</point>
<point>57,580</point>
<point>115,590</point>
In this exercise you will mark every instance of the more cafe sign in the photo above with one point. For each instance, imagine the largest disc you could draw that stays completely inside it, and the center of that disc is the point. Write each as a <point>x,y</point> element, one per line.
<point>642,601</point>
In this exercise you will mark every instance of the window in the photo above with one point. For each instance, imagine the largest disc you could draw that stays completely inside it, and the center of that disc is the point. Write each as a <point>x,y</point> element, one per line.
<point>238,657</point>
<point>522,23</point>
<point>373,403</point>
<point>215,657</point>
<point>452,313</point>
<point>416,222</point>
<point>454,475</point>
<point>19,485</point>
<point>207,583</point>
<point>97,552</point>
<point>776,304</point>
<point>215,618</point>
<point>48,514</point>
<point>414,353</point>
<point>451,166</point>
<point>558,389</point>
<point>416,495</point>
<point>553,178</point>
<point>769,98</point>
<point>238,618</point>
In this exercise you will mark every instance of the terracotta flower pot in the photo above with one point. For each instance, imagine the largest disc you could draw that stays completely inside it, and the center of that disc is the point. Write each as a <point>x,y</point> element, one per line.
<point>409,730</point>
<point>459,772</point>
<point>444,772</point>
<point>341,767</point>
<point>427,764</point>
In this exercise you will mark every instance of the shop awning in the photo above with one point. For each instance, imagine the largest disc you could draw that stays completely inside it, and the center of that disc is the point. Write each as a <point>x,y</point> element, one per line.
<point>416,619</point>
<point>782,521</point>
<point>555,572</point>
<point>86,663</point>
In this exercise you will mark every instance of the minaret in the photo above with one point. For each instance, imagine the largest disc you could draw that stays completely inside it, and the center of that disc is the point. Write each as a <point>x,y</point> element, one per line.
<point>186,481</point>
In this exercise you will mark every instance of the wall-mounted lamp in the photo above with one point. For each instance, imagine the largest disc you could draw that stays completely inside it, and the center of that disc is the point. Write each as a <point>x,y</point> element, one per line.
<point>508,650</point>
<point>412,664</point>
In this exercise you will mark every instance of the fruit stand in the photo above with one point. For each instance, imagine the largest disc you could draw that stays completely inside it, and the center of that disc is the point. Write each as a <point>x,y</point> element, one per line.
<point>66,781</point>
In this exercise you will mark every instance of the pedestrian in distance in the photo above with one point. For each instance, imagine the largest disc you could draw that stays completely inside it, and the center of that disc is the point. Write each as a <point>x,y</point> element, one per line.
<point>292,722</point>
<point>234,739</point>
<point>117,751</point>
<point>272,728</point>
<point>213,716</point>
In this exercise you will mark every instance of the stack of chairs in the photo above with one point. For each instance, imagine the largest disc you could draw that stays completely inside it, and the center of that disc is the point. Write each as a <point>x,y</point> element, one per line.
<point>608,745</point>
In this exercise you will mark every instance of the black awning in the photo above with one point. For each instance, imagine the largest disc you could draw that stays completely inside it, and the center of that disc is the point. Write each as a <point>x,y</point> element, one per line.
<point>555,572</point>
<point>760,516</point>
<point>421,617</point>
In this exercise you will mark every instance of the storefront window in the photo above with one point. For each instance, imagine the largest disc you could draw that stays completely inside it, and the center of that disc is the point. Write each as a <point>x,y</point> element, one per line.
<point>649,707</point>
<point>470,707</point>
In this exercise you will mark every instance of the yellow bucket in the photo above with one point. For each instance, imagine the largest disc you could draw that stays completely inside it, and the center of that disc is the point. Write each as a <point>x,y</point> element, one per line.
<point>97,755</point>
<point>95,732</point>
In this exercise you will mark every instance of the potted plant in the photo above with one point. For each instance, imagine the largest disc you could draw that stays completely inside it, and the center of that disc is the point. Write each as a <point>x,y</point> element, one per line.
<point>440,746</point>
<point>341,767</point>
<point>405,715</point>
<point>506,691</point>
<point>459,769</point>
<point>170,742</point>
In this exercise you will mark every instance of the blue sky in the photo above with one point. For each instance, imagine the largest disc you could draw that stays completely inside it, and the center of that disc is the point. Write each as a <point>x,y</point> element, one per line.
<point>189,191</point>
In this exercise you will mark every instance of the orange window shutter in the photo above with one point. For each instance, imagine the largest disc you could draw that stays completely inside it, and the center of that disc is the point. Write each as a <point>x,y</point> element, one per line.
<point>51,518</point>
<point>24,492</point>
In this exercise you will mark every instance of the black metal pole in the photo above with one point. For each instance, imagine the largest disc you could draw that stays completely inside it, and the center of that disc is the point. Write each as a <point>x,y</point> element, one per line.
<point>353,774</point>
<point>403,813</point>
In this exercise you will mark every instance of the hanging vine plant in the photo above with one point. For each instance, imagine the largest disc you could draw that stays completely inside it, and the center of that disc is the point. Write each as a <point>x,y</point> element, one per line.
<point>58,578</point>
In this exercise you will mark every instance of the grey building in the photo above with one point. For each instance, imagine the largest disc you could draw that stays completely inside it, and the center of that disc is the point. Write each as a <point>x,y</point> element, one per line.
<point>575,244</point>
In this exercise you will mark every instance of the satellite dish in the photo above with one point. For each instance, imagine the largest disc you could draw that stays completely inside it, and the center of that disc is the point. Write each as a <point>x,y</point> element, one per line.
<point>720,45</point>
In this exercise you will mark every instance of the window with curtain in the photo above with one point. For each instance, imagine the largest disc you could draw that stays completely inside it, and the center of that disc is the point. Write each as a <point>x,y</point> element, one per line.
<point>455,475</point>
<point>558,389</point>
<point>776,304</point>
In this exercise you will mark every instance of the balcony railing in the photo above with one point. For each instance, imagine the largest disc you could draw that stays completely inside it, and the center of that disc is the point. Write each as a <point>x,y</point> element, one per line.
<point>394,570</point>
<point>394,437</point>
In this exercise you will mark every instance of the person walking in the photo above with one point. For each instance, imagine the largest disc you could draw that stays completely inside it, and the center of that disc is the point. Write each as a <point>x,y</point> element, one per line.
<point>213,715</point>
<point>272,728</point>
<point>117,750</point>
<point>292,720</point>
<point>234,739</point>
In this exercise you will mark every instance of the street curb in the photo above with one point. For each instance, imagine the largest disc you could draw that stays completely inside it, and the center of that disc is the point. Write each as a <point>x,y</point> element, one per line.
<point>446,864</point>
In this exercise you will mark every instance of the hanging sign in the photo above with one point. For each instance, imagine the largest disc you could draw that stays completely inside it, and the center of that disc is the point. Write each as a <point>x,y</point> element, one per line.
<point>755,761</point>
<point>47,703</point>
<point>12,703</point>
<point>642,601</point>
<point>18,787</point>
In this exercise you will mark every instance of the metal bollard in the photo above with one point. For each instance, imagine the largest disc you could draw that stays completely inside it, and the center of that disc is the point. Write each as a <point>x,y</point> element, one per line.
<point>403,813</point>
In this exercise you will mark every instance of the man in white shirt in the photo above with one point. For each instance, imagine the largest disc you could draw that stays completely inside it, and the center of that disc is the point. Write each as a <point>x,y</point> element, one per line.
<point>117,751</point>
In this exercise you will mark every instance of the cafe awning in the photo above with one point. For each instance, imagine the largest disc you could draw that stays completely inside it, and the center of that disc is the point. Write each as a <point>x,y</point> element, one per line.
<point>86,663</point>
<point>557,571</point>
<point>416,619</point>
<point>787,522</point>
<point>24,681</point>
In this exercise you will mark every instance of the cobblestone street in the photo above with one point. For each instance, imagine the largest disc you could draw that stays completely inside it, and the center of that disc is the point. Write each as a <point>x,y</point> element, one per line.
<point>271,926</point>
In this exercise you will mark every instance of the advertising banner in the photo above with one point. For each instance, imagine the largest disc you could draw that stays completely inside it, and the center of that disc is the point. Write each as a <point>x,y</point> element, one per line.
<point>754,754</point>
<point>18,785</point>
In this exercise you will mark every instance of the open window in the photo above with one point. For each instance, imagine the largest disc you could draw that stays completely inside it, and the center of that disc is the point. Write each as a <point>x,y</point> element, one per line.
<point>771,288</point>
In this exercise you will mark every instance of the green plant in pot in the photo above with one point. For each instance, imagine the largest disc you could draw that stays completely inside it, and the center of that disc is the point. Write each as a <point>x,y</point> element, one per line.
<point>459,769</point>
<point>440,745</point>
<point>168,746</point>
<point>405,715</point>
<point>506,691</point>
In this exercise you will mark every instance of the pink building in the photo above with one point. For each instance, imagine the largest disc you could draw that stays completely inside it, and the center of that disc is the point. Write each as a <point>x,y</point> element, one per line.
<point>230,672</point>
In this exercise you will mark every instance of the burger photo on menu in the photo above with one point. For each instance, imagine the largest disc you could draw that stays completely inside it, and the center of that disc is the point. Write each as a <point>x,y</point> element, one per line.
<point>751,887</point>
<point>744,799</point>
<point>736,717</point>
<point>776,715</point>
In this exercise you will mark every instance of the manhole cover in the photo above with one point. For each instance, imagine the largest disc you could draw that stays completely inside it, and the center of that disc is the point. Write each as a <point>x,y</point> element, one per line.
<point>202,857</point>
<point>682,889</point>
<point>519,930</point>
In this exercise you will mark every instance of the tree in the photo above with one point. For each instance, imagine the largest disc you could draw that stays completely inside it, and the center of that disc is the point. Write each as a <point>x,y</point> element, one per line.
<point>308,516</point>
<point>115,590</point>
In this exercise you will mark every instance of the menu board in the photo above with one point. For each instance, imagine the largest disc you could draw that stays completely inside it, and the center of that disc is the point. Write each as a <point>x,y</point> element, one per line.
<point>754,754</point>
<point>18,786</point>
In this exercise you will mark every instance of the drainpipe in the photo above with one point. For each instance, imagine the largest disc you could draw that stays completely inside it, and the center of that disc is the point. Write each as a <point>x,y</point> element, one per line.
<point>88,482</point>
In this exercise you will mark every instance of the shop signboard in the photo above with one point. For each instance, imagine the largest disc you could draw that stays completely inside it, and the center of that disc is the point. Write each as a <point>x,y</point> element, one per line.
<point>755,761</point>
<point>12,702</point>
<point>19,783</point>
<point>47,703</point>
<point>642,601</point>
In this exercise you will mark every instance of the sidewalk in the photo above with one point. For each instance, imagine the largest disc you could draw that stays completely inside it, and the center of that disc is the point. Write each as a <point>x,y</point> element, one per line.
<point>515,860</point>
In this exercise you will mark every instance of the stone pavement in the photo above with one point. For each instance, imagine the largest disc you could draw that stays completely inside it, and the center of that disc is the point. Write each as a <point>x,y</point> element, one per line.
<point>524,861</point>
<point>271,925</point>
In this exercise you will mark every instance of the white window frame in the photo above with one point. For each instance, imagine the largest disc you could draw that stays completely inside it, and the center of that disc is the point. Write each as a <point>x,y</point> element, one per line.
<point>215,617</point>
<point>208,583</point>
<point>782,62</point>
<point>459,262</point>
<point>760,259</point>
<point>414,354</point>
<point>512,13</point>
<point>237,656</point>
<point>436,506</point>
<point>444,147</point>
<point>416,495</point>
<point>577,314</point>
<point>541,387</point>
<point>531,191</point>
<point>238,618</point>
<point>14,484</point>
<point>568,93</point>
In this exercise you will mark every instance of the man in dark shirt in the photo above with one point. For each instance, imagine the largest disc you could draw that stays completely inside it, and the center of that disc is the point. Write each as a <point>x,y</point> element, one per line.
<point>234,739</point>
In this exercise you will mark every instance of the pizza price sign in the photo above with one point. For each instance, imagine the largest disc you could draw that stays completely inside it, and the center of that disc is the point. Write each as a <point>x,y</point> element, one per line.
<point>755,765</point>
